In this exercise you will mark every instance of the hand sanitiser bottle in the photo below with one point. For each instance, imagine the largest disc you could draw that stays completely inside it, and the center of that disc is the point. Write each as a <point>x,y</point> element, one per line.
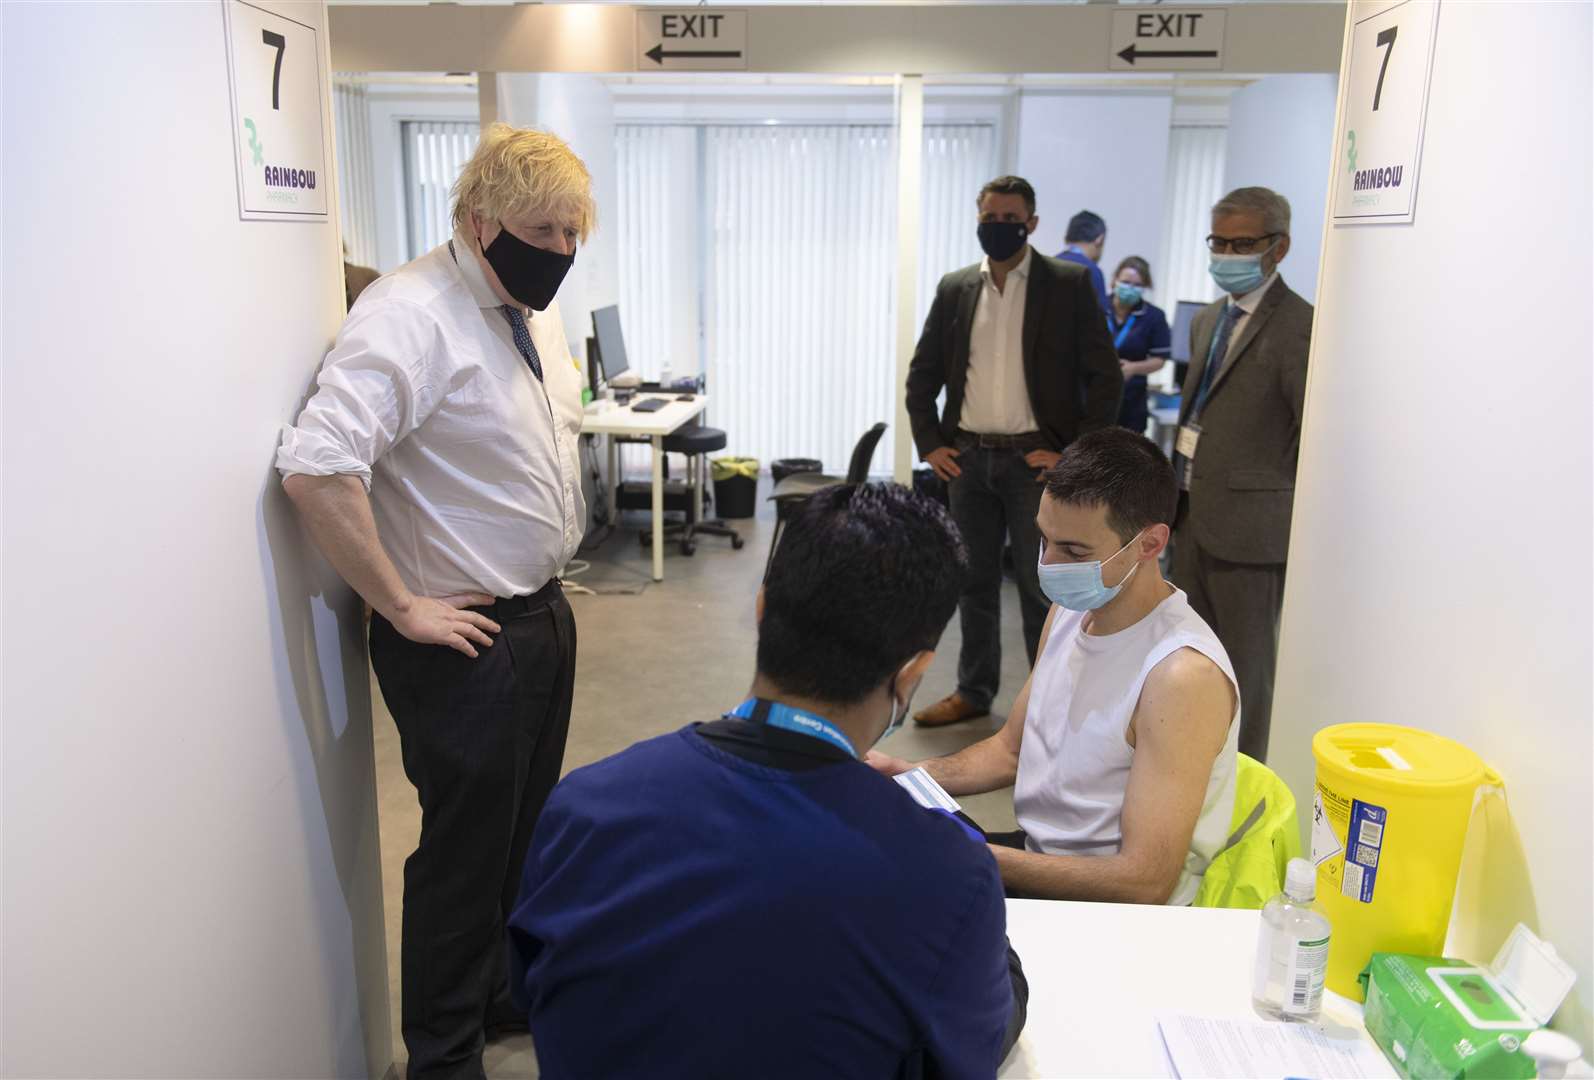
<point>1291,950</point>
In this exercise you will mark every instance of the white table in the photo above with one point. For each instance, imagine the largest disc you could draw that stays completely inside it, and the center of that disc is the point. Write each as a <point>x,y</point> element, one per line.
<point>1166,420</point>
<point>1100,973</point>
<point>654,426</point>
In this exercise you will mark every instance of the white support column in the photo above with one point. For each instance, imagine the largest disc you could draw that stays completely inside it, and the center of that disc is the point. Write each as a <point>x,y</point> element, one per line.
<point>910,154</point>
<point>487,97</point>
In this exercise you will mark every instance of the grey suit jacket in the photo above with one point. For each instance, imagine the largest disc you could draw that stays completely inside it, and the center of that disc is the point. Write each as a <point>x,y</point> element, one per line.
<point>1242,491</point>
<point>1070,367</point>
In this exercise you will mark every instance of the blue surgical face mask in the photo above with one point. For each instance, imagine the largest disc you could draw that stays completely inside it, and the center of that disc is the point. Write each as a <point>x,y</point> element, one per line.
<point>1128,295</point>
<point>1079,586</point>
<point>897,716</point>
<point>1237,274</point>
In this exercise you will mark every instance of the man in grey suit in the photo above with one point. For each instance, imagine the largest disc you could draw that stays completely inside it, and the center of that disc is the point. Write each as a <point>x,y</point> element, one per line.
<point>1019,344</point>
<point>1239,437</point>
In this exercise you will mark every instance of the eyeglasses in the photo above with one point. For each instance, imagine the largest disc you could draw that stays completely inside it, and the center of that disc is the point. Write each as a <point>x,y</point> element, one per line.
<point>1239,245</point>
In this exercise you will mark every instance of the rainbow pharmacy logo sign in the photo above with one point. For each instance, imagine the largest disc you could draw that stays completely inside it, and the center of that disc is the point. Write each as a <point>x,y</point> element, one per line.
<point>280,180</point>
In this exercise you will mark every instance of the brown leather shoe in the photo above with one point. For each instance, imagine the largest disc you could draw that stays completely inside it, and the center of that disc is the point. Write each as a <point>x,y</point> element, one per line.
<point>952,709</point>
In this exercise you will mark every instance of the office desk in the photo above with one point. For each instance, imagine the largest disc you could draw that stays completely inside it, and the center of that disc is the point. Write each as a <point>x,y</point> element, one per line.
<point>1100,973</point>
<point>654,426</point>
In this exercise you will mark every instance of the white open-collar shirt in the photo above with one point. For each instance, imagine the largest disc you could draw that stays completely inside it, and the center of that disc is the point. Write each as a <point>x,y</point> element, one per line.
<point>996,393</point>
<point>472,464</point>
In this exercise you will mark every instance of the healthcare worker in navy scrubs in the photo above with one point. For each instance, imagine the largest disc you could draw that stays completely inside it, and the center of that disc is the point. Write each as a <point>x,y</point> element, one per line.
<point>1140,334</point>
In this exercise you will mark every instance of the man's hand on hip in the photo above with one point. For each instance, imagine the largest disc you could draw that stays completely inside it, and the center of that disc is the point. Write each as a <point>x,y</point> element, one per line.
<point>943,459</point>
<point>1042,460</point>
<point>447,622</point>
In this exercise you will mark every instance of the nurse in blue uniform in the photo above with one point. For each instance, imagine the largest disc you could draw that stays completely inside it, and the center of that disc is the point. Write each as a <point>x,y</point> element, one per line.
<point>1140,334</point>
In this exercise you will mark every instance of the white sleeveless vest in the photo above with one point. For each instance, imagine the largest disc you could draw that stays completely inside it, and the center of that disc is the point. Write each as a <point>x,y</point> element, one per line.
<point>1073,767</point>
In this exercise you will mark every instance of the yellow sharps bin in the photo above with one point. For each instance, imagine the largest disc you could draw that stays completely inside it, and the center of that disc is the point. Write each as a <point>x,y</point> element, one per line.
<point>1389,820</point>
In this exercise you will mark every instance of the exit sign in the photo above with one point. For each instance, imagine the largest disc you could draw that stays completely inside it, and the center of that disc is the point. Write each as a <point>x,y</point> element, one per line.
<point>1166,39</point>
<point>691,39</point>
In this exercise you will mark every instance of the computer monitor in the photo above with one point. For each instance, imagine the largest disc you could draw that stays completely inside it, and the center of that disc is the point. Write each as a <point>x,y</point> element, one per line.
<point>1183,313</point>
<point>611,342</point>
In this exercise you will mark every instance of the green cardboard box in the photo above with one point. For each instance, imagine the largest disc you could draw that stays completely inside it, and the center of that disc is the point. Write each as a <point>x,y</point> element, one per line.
<point>1437,1017</point>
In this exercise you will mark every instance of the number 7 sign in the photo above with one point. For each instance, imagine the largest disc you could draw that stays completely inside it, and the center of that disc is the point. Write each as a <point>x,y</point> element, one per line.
<point>277,101</point>
<point>1383,105</point>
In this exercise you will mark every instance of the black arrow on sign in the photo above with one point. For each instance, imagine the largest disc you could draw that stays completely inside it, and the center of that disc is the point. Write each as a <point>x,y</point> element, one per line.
<point>658,55</point>
<point>1130,54</point>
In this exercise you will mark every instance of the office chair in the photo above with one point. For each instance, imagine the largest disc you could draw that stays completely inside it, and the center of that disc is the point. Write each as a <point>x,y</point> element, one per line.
<point>696,443</point>
<point>798,486</point>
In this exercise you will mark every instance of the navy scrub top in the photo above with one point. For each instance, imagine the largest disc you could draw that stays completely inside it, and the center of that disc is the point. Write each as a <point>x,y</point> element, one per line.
<point>1141,336</point>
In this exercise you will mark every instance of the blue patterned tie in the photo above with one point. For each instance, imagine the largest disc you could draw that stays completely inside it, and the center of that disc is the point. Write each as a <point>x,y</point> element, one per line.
<point>517,326</point>
<point>1215,357</point>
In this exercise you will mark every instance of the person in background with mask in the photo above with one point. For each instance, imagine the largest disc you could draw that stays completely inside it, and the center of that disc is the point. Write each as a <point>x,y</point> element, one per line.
<point>436,467</point>
<point>744,897</point>
<point>1239,439</point>
<point>1019,345</point>
<point>1121,748</point>
<point>1140,334</point>
<point>1083,245</point>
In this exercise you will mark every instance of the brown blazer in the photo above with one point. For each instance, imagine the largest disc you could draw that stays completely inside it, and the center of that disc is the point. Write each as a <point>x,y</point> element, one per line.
<point>1242,491</point>
<point>355,281</point>
<point>1070,367</point>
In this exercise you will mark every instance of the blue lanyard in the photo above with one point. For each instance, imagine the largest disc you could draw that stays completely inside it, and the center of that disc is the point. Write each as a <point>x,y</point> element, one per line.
<point>789,719</point>
<point>1118,343</point>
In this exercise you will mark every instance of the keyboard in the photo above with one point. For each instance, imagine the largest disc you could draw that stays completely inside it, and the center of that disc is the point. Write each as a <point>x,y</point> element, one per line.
<point>649,405</point>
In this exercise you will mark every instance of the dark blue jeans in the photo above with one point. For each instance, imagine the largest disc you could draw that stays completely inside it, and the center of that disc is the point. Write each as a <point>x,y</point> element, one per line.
<point>995,498</point>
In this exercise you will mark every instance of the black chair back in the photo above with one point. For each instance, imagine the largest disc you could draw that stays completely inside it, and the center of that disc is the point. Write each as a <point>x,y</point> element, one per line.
<point>863,453</point>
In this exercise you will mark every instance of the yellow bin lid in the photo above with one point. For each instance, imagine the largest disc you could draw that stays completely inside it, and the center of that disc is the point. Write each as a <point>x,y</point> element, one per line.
<point>1399,759</point>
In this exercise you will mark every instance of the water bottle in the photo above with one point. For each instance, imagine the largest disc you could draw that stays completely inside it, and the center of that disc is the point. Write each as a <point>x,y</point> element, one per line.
<point>1291,950</point>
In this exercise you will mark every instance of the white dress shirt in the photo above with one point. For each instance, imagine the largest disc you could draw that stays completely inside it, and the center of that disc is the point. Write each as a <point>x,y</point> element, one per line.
<point>472,464</point>
<point>996,396</point>
<point>1247,305</point>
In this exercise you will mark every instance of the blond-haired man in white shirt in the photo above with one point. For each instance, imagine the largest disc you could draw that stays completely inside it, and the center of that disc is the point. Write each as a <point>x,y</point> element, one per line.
<point>437,469</point>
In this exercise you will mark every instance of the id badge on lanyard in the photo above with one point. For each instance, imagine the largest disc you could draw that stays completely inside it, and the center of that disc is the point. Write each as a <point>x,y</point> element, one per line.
<point>1189,438</point>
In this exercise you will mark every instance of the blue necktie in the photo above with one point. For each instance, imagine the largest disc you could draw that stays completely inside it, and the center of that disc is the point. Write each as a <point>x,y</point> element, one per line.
<point>1216,356</point>
<point>517,326</point>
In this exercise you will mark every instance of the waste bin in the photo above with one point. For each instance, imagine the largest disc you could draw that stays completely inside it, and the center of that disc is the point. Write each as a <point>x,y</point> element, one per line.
<point>784,467</point>
<point>735,486</point>
<point>1389,820</point>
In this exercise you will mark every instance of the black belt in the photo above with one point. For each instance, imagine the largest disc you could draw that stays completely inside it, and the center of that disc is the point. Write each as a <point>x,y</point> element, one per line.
<point>519,606</point>
<point>1029,440</point>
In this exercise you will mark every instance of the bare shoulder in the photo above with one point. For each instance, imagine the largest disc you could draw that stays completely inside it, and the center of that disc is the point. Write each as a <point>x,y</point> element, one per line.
<point>1187,687</point>
<point>1185,670</point>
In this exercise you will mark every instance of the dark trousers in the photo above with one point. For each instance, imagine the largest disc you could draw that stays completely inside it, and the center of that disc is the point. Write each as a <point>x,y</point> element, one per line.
<point>483,741</point>
<point>1241,602</point>
<point>996,497</point>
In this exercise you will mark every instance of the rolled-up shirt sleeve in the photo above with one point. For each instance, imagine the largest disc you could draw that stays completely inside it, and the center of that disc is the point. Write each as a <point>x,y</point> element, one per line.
<point>382,379</point>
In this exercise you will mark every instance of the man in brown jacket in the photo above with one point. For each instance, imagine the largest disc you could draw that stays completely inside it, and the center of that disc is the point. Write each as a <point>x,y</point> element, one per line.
<point>1239,438</point>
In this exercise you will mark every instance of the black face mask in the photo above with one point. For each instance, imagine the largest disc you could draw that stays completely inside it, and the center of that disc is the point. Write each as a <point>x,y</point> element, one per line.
<point>530,274</point>
<point>1002,239</point>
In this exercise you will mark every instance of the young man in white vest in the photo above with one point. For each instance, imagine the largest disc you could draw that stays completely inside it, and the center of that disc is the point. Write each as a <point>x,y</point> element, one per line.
<point>1121,746</point>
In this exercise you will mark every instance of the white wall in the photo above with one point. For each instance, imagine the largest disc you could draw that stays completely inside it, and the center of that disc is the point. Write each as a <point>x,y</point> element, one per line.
<point>191,877</point>
<point>1439,563</point>
<point>1281,134</point>
<point>580,110</point>
<point>1101,152</point>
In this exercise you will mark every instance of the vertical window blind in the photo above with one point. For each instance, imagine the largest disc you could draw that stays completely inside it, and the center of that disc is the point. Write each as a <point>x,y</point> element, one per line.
<point>1195,182</point>
<point>356,188</point>
<point>434,153</point>
<point>777,279</point>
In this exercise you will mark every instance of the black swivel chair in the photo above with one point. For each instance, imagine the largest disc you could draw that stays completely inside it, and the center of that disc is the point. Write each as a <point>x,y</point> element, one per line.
<point>696,443</point>
<point>798,486</point>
